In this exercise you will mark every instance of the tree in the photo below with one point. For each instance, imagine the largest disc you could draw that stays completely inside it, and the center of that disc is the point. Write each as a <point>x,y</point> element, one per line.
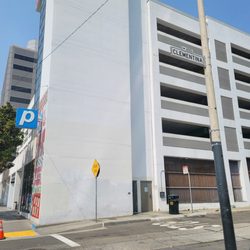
<point>10,136</point>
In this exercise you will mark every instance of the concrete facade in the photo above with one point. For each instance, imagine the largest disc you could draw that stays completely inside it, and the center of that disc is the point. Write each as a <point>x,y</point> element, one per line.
<point>128,90</point>
<point>96,109</point>
<point>19,82</point>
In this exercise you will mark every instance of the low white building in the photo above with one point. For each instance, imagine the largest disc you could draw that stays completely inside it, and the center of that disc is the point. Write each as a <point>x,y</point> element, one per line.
<point>127,88</point>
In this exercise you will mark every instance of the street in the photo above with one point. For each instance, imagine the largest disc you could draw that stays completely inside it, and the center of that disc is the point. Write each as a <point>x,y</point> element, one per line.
<point>199,232</point>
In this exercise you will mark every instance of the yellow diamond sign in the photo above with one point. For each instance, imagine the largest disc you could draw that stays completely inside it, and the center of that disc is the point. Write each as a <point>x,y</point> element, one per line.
<point>96,168</point>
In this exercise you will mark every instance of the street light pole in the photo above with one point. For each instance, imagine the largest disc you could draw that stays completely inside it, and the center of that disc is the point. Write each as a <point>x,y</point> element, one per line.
<point>225,207</point>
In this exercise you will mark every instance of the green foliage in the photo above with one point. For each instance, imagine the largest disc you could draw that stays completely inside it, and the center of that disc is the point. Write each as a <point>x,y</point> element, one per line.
<point>10,136</point>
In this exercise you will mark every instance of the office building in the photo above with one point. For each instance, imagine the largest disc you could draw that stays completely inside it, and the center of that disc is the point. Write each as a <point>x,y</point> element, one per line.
<point>127,88</point>
<point>19,81</point>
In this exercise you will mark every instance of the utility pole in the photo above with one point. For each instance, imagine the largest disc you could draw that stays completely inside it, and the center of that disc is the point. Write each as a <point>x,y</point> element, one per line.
<point>225,207</point>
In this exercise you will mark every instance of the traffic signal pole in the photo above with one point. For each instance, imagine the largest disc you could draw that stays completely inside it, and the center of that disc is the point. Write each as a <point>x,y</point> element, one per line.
<point>225,207</point>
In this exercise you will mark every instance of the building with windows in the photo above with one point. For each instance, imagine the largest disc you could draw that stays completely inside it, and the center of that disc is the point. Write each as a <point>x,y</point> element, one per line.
<point>19,81</point>
<point>127,88</point>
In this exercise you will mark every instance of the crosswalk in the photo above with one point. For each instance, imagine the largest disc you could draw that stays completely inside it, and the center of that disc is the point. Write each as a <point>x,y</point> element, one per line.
<point>187,225</point>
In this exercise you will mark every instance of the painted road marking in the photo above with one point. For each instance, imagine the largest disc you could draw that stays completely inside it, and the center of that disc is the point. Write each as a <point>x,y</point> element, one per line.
<point>185,225</point>
<point>65,240</point>
<point>194,222</point>
<point>172,227</point>
<point>28,233</point>
<point>199,227</point>
<point>164,225</point>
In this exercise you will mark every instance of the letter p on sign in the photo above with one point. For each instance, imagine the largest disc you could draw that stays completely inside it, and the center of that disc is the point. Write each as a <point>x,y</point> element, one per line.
<point>26,118</point>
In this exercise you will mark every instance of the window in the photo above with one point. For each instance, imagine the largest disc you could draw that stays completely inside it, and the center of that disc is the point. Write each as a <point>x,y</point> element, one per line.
<point>22,78</point>
<point>23,68</point>
<point>245,132</point>
<point>178,32</point>
<point>241,76</point>
<point>244,103</point>
<point>184,95</point>
<point>239,51</point>
<point>20,89</point>
<point>25,58</point>
<point>164,58</point>
<point>19,100</point>
<point>181,128</point>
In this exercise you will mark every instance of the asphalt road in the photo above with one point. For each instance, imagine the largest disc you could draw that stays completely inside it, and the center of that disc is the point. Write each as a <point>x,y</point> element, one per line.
<point>203,233</point>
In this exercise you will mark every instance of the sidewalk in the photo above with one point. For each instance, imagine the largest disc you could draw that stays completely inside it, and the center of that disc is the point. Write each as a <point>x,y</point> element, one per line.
<point>15,223</point>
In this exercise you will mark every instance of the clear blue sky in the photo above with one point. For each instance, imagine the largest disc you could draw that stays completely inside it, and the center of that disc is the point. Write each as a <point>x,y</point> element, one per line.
<point>19,21</point>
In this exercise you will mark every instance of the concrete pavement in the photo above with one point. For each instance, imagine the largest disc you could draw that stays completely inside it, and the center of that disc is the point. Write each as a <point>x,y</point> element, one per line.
<point>158,231</point>
<point>14,223</point>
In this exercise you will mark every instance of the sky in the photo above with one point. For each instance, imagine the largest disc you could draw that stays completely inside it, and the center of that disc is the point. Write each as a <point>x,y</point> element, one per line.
<point>19,21</point>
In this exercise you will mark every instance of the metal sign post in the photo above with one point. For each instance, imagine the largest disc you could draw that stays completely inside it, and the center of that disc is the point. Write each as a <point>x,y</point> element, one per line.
<point>185,171</point>
<point>95,170</point>
<point>96,199</point>
<point>190,192</point>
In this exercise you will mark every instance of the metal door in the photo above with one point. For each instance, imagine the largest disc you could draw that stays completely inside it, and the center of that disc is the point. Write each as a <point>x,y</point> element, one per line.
<point>135,201</point>
<point>146,196</point>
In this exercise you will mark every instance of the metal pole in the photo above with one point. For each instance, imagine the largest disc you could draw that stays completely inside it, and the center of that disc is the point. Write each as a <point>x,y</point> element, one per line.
<point>225,207</point>
<point>190,192</point>
<point>96,199</point>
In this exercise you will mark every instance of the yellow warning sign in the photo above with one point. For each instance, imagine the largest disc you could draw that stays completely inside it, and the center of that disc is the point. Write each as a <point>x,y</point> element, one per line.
<point>96,168</point>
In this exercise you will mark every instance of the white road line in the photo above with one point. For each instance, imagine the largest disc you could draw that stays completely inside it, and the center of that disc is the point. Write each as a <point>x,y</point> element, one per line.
<point>65,240</point>
<point>164,225</point>
<point>172,227</point>
<point>172,222</point>
<point>156,224</point>
<point>198,227</point>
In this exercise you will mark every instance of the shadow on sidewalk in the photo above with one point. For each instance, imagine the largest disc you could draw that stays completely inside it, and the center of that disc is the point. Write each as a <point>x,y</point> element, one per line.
<point>6,214</point>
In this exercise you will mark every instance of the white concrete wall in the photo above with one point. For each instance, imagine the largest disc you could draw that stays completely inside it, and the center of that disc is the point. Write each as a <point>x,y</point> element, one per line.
<point>228,35</point>
<point>88,112</point>
<point>158,10</point>
<point>145,162</point>
<point>216,31</point>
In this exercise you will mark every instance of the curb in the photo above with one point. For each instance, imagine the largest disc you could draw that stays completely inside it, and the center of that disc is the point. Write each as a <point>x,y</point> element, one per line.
<point>198,214</point>
<point>34,226</point>
<point>107,223</point>
<point>19,234</point>
<point>168,217</point>
<point>111,223</point>
<point>102,223</point>
<point>66,228</point>
<point>82,228</point>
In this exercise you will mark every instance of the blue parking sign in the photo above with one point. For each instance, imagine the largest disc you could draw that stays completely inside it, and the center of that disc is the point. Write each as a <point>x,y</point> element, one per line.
<point>26,118</point>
